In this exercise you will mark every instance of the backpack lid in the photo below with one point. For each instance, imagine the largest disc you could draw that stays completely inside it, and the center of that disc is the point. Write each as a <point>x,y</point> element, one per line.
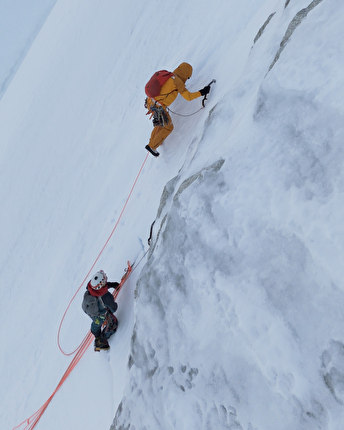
<point>153,86</point>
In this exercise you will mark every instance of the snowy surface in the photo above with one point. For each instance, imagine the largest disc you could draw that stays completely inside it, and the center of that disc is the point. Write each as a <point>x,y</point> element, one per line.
<point>20,22</point>
<point>235,319</point>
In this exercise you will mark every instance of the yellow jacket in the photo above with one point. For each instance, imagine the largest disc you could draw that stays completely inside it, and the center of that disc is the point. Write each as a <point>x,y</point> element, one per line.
<point>174,85</point>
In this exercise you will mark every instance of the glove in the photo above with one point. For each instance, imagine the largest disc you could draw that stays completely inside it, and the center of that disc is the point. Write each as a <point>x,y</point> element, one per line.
<point>204,91</point>
<point>114,285</point>
<point>113,308</point>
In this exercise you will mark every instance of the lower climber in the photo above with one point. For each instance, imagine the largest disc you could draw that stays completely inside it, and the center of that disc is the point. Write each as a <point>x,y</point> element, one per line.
<point>99,304</point>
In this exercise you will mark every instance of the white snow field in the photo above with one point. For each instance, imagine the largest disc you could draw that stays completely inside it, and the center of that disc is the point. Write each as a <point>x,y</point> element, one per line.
<point>20,22</point>
<point>235,317</point>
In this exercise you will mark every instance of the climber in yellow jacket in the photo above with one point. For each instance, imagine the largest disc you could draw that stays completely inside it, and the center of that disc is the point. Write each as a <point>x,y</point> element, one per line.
<point>169,91</point>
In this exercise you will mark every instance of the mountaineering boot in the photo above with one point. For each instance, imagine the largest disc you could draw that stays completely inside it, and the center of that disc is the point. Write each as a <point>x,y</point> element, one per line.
<point>149,149</point>
<point>101,343</point>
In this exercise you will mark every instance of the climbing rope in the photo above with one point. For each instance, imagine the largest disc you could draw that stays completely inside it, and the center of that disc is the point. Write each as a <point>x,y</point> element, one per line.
<point>31,422</point>
<point>95,262</point>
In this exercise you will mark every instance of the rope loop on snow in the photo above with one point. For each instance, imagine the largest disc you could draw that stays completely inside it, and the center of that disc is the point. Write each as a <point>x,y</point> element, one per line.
<point>95,262</point>
<point>31,422</point>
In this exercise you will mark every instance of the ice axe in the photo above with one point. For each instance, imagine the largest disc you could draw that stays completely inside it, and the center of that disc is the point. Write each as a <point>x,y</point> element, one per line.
<point>205,97</point>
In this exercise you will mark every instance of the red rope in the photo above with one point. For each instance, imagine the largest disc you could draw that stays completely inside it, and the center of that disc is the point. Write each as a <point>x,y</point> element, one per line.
<point>31,422</point>
<point>95,262</point>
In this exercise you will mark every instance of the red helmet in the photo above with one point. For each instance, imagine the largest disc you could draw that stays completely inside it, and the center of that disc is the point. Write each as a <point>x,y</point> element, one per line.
<point>99,280</point>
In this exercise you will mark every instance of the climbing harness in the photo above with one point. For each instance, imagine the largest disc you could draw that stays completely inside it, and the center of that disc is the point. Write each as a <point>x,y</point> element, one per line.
<point>160,117</point>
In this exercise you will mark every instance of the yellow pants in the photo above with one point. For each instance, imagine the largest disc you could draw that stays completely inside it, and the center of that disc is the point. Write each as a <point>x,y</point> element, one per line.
<point>159,134</point>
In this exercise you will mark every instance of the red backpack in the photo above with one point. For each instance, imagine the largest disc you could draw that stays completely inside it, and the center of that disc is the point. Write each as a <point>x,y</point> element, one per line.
<point>155,83</point>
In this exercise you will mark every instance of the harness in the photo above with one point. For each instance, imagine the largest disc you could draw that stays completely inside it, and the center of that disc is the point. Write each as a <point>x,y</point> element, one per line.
<point>158,112</point>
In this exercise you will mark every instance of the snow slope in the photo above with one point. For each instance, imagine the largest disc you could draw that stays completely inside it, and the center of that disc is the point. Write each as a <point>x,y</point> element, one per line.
<point>20,22</point>
<point>235,320</point>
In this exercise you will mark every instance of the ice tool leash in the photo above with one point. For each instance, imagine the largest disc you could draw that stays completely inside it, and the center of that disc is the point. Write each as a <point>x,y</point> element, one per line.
<point>194,113</point>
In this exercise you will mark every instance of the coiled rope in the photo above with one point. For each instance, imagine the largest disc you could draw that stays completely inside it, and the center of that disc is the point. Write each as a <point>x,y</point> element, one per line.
<point>95,262</point>
<point>31,422</point>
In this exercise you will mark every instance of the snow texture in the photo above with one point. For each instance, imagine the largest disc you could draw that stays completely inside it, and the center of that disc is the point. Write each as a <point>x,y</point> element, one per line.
<point>234,319</point>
